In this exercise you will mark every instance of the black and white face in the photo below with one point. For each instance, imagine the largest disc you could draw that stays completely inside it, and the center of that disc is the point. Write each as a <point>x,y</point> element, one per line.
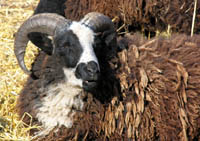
<point>74,48</point>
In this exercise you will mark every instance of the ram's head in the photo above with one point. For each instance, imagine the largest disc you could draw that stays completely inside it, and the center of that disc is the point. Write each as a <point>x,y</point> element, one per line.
<point>73,44</point>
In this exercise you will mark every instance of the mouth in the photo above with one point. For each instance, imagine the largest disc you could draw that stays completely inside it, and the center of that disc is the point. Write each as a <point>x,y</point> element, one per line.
<point>89,85</point>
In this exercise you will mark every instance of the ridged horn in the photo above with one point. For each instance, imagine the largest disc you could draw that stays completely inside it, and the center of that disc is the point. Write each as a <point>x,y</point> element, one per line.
<point>44,23</point>
<point>98,22</point>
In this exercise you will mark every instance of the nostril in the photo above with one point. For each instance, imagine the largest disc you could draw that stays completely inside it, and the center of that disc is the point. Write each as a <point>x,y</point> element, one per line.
<point>93,70</point>
<point>92,67</point>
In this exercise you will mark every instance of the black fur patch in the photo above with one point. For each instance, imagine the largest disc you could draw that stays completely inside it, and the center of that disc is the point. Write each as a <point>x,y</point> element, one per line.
<point>68,48</point>
<point>42,41</point>
<point>51,6</point>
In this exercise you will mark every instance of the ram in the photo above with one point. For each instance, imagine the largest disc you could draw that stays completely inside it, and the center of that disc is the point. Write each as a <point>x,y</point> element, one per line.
<point>152,93</point>
<point>60,73</point>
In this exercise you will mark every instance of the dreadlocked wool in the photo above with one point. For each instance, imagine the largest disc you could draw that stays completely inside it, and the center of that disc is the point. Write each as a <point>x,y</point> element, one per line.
<point>149,91</point>
<point>141,14</point>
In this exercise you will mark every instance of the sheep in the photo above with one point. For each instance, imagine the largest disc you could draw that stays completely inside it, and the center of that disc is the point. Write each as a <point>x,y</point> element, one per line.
<point>150,91</point>
<point>135,14</point>
<point>52,94</point>
<point>140,14</point>
<point>148,16</point>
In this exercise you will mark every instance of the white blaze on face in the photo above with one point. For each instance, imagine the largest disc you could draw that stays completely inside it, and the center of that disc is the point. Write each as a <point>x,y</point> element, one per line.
<point>86,39</point>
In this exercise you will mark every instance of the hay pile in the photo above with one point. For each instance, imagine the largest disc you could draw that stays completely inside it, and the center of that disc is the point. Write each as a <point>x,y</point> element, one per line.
<point>12,15</point>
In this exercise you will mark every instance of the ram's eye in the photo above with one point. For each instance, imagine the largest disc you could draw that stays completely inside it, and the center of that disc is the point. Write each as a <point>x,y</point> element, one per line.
<point>97,42</point>
<point>67,44</point>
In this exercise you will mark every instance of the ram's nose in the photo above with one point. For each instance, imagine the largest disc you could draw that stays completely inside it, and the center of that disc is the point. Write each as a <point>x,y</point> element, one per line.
<point>93,70</point>
<point>89,73</point>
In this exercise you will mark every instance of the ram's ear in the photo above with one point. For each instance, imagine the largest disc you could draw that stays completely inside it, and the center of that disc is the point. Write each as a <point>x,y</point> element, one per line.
<point>42,41</point>
<point>109,37</point>
<point>108,40</point>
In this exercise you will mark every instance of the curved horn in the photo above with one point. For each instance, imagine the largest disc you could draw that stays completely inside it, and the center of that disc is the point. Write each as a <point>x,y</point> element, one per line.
<point>44,23</point>
<point>98,22</point>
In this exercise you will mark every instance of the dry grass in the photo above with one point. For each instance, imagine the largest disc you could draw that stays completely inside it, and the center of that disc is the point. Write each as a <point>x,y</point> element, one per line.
<point>12,14</point>
<point>194,17</point>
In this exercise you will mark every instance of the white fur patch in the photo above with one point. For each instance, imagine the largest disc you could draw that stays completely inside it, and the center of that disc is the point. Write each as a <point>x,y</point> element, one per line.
<point>86,39</point>
<point>58,106</point>
<point>71,78</point>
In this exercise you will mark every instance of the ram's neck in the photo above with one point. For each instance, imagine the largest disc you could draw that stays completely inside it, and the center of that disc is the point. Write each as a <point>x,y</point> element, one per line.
<point>57,106</point>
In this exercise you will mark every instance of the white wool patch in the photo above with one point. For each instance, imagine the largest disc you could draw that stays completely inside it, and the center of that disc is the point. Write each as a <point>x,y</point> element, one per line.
<point>86,39</point>
<point>58,106</point>
<point>71,78</point>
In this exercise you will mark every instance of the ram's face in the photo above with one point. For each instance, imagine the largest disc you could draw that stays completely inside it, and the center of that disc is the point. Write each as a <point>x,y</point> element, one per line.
<point>74,48</point>
<point>72,44</point>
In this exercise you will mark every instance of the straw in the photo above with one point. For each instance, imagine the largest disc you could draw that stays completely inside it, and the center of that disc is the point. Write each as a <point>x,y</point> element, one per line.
<point>194,16</point>
<point>12,14</point>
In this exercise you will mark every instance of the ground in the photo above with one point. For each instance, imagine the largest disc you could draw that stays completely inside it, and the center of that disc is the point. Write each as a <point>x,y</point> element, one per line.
<point>12,15</point>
